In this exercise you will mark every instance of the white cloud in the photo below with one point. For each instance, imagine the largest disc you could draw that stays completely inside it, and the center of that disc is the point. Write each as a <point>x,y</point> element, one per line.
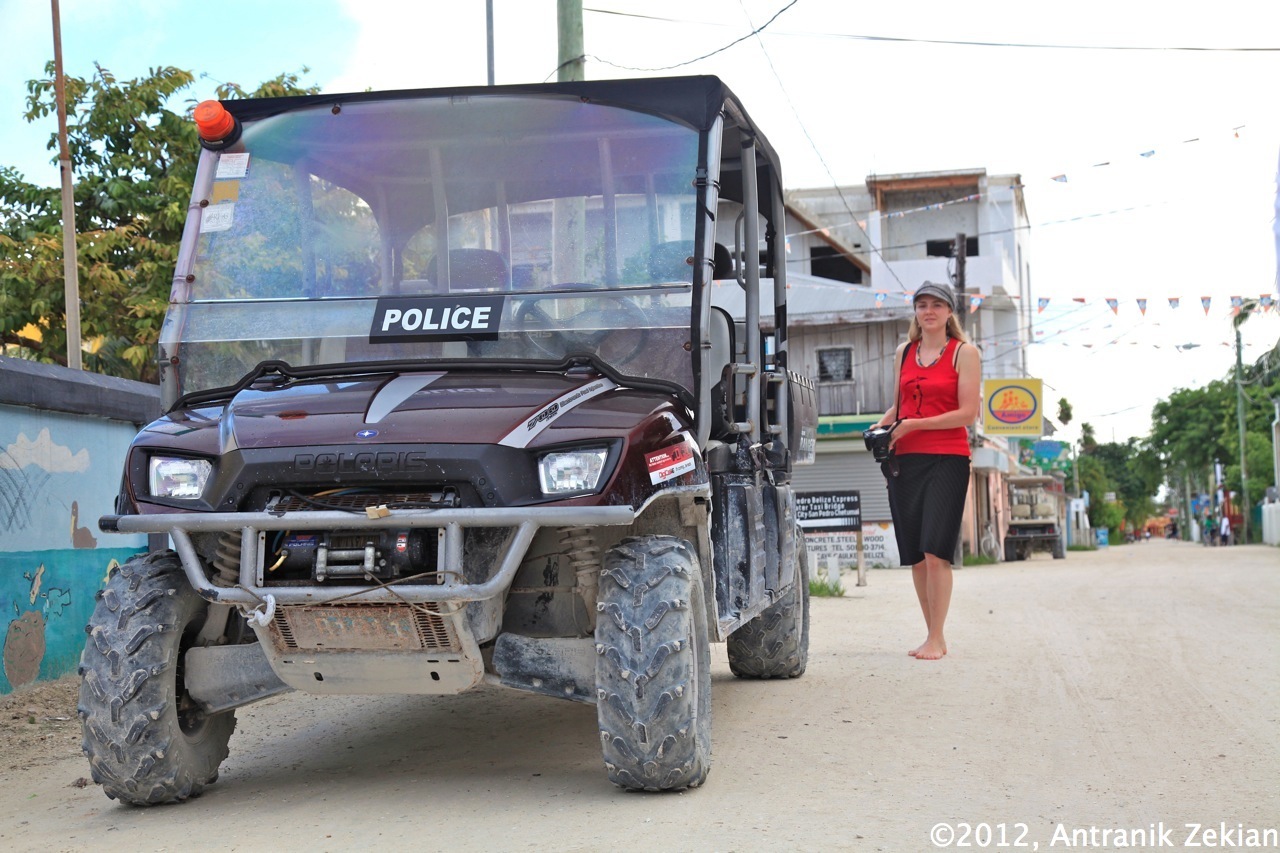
<point>45,454</point>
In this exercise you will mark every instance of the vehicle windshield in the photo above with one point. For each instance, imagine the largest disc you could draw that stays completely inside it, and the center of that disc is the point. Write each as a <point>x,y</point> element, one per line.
<point>474,227</point>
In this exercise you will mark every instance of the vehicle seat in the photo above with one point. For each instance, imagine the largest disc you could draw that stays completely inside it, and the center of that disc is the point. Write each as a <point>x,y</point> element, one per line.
<point>1020,511</point>
<point>722,264</point>
<point>719,357</point>
<point>473,269</point>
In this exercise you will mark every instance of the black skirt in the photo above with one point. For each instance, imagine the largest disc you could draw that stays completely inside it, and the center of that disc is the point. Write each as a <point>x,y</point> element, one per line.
<point>926,499</point>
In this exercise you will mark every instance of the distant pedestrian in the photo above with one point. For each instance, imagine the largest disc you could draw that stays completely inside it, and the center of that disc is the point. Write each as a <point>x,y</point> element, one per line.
<point>1226,529</point>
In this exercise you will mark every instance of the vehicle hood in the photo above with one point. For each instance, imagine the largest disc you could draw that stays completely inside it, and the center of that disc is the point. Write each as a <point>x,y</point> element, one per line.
<point>428,407</point>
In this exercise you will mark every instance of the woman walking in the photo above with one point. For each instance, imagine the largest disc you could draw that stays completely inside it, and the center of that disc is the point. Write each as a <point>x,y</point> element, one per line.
<point>938,378</point>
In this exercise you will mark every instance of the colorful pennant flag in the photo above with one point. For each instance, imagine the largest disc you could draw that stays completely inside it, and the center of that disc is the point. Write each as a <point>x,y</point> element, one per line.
<point>1236,304</point>
<point>974,302</point>
<point>1142,307</point>
<point>1079,299</point>
<point>1265,301</point>
<point>906,297</point>
<point>880,295</point>
<point>1205,300</point>
<point>1173,302</point>
<point>1044,301</point>
<point>1062,179</point>
<point>1113,304</point>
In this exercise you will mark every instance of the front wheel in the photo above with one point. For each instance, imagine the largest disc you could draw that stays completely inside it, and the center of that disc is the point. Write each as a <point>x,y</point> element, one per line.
<point>775,644</point>
<point>653,666</point>
<point>147,742</point>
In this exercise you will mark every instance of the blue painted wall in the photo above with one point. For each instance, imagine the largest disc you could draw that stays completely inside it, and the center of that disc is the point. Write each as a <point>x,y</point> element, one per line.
<point>59,471</point>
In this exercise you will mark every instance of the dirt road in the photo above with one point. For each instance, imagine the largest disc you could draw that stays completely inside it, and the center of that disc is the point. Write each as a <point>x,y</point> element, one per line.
<point>1113,690</point>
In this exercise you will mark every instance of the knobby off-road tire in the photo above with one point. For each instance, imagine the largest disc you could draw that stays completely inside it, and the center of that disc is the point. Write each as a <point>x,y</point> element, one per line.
<point>775,644</point>
<point>146,741</point>
<point>653,666</point>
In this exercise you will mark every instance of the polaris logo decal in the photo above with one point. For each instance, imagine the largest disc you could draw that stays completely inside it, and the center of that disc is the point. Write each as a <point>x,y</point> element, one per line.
<point>404,319</point>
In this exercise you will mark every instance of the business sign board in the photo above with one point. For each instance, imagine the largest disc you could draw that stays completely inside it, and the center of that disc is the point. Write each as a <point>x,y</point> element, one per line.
<point>829,511</point>
<point>1013,407</point>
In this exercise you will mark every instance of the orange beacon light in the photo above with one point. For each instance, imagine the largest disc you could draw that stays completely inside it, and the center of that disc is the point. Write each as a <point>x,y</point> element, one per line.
<point>217,127</point>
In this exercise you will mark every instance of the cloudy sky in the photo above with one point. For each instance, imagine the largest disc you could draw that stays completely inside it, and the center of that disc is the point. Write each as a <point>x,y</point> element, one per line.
<point>1183,207</point>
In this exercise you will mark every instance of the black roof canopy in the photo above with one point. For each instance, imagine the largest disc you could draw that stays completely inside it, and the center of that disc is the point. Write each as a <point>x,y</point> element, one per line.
<point>692,101</point>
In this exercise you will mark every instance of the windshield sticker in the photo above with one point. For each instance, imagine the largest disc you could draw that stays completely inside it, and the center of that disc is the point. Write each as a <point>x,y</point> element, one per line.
<point>225,191</point>
<point>541,419</point>
<point>403,319</point>
<point>217,217</point>
<point>232,166</point>
<point>670,462</point>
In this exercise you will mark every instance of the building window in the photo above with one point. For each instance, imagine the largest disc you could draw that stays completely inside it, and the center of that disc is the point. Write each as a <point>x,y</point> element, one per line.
<point>835,365</point>
<point>828,262</point>
<point>946,248</point>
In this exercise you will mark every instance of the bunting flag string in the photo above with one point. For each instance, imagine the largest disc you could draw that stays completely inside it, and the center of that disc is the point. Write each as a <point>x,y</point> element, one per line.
<point>1263,304</point>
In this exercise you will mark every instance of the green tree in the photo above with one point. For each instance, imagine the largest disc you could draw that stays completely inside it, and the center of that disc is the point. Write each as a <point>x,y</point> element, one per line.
<point>1064,412</point>
<point>133,157</point>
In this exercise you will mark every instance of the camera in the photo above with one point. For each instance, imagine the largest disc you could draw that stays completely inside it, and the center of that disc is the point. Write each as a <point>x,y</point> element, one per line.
<point>877,441</point>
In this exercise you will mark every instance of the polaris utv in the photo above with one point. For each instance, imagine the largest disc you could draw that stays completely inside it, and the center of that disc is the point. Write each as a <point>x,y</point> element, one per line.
<point>463,387</point>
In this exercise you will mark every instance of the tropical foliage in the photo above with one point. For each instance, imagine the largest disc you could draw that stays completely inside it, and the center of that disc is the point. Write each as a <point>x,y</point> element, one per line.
<point>133,155</point>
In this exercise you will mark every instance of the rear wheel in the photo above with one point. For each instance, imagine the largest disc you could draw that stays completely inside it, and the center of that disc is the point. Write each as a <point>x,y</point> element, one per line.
<point>653,666</point>
<point>146,740</point>
<point>1059,552</point>
<point>775,644</point>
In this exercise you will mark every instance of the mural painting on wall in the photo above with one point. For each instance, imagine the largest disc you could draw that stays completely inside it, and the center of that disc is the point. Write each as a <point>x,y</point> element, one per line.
<point>50,562</point>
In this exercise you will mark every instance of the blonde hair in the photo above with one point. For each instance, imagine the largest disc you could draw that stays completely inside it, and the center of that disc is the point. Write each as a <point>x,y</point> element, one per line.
<point>953,329</point>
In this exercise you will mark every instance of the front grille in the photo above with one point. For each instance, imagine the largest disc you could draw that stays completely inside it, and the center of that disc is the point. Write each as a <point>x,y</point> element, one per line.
<point>359,501</point>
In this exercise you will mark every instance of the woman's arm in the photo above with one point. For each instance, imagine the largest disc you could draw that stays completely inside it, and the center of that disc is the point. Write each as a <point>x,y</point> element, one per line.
<point>968,393</point>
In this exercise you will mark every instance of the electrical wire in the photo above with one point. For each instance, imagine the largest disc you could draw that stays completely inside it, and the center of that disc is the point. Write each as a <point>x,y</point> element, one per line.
<point>953,42</point>
<point>595,58</point>
<point>814,145</point>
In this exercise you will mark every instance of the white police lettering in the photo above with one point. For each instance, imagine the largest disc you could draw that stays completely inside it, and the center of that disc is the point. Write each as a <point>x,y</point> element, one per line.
<point>399,319</point>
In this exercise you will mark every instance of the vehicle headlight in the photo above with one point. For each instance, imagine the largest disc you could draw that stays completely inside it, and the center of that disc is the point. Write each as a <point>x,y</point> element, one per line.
<point>179,478</point>
<point>571,470</point>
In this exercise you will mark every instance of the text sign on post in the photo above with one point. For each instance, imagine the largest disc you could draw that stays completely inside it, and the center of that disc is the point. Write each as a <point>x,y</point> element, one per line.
<point>829,511</point>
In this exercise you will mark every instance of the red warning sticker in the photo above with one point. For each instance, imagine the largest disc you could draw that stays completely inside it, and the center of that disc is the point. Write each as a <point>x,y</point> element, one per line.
<point>669,462</point>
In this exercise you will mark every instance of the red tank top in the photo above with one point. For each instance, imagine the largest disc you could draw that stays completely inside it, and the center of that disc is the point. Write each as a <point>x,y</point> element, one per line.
<point>928,391</point>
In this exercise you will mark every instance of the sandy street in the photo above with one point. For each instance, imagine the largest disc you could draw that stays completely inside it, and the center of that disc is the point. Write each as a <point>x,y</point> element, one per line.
<point>1112,690</point>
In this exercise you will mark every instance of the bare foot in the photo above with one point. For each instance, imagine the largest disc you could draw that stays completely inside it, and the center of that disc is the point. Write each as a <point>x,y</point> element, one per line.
<point>917,649</point>
<point>930,651</point>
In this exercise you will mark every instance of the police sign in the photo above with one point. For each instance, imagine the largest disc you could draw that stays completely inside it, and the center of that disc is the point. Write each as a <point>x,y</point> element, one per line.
<point>401,319</point>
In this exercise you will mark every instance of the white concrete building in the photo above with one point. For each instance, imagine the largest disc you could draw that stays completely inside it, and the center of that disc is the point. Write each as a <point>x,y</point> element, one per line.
<point>855,254</point>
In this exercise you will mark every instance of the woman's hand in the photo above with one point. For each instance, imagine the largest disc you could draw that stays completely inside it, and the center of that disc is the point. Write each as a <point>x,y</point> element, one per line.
<point>904,427</point>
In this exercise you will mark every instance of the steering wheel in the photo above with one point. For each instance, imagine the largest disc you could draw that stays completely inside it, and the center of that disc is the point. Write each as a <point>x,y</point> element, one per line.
<point>626,332</point>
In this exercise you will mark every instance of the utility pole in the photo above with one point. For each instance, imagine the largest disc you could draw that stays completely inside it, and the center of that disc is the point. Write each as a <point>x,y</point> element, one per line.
<point>572,64</point>
<point>1244,477</point>
<point>961,302</point>
<point>488,28</point>
<point>70,268</point>
<point>569,214</point>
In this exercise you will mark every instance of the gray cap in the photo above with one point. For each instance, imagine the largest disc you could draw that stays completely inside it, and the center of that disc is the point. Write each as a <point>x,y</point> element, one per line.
<point>942,291</point>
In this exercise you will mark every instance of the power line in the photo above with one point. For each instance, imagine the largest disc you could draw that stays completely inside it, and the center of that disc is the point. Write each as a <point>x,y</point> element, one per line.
<point>952,42</point>
<point>814,145</point>
<point>603,61</point>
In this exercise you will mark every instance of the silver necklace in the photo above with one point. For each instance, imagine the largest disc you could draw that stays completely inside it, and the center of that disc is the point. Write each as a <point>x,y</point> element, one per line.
<point>935,358</point>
